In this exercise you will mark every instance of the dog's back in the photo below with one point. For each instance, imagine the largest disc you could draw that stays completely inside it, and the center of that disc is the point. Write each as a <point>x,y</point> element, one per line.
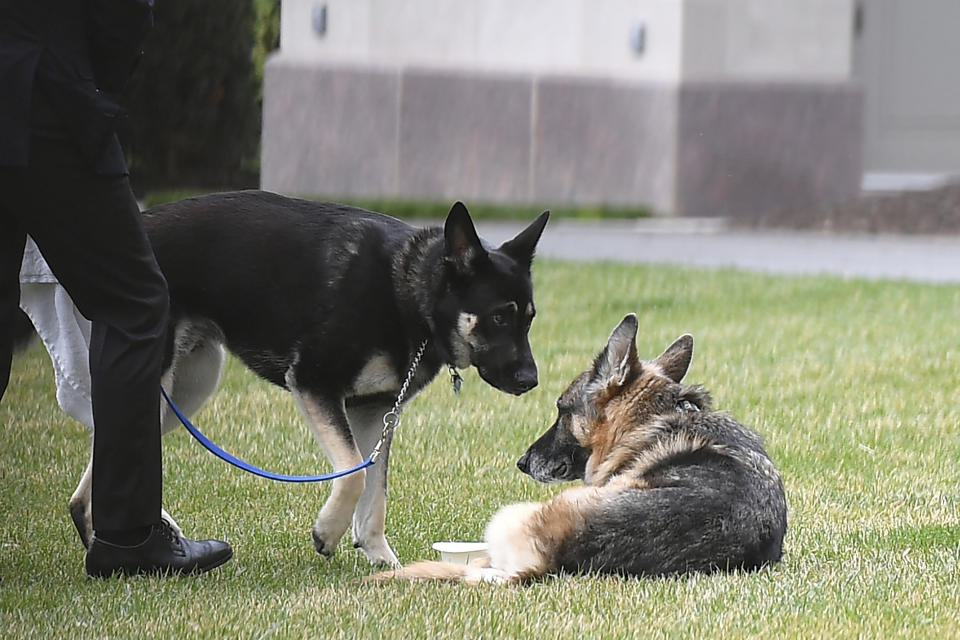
<point>289,251</point>
<point>266,272</point>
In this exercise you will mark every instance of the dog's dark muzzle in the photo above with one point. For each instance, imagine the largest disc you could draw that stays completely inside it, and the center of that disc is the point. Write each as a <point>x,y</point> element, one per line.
<point>516,382</point>
<point>524,463</point>
<point>556,456</point>
<point>548,471</point>
<point>525,379</point>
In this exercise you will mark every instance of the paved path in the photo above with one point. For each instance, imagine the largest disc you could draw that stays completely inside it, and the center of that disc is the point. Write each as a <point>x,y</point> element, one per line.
<point>918,258</point>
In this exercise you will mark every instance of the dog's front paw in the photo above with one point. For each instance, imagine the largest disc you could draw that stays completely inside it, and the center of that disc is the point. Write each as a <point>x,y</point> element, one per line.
<point>328,529</point>
<point>326,535</point>
<point>324,545</point>
<point>379,553</point>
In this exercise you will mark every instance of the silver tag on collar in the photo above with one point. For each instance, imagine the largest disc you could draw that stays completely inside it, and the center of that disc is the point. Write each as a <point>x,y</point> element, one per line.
<point>456,380</point>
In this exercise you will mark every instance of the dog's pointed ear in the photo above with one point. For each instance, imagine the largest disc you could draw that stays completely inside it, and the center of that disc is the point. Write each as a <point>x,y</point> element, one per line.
<point>522,247</point>
<point>675,360</point>
<point>462,244</point>
<point>615,364</point>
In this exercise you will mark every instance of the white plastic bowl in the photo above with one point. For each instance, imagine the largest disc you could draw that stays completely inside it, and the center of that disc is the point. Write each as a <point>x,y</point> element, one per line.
<point>460,552</point>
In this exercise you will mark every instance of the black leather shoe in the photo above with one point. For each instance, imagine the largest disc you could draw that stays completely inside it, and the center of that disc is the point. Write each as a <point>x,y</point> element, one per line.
<point>163,552</point>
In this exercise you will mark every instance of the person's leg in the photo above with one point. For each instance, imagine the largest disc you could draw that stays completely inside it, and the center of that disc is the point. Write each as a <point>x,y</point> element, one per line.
<point>89,231</point>
<point>12,239</point>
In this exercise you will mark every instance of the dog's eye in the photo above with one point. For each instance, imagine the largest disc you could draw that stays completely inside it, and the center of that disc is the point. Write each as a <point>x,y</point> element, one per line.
<point>499,319</point>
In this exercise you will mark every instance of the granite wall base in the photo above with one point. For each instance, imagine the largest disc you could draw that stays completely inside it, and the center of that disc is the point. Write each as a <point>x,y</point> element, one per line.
<point>724,149</point>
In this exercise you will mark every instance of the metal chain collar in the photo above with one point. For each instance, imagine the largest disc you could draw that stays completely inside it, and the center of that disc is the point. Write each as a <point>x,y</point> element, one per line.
<point>391,419</point>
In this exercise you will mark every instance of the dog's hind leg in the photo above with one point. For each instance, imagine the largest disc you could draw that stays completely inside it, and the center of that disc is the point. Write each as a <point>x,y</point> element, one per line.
<point>328,421</point>
<point>369,518</point>
<point>191,379</point>
<point>80,502</point>
<point>81,511</point>
<point>193,376</point>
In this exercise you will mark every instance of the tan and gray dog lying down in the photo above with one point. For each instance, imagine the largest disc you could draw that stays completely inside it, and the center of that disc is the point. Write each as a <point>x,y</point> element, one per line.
<point>670,486</point>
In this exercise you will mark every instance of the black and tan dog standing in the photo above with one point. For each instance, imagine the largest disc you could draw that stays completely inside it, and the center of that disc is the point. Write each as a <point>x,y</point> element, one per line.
<point>332,303</point>
<point>670,486</point>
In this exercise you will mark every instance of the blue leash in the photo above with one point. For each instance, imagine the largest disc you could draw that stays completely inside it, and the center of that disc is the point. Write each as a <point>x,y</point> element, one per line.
<point>390,422</point>
<point>237,462</point>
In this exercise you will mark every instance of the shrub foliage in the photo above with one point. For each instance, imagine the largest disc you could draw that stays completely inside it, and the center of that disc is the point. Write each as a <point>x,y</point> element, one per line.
<point>194,100</point>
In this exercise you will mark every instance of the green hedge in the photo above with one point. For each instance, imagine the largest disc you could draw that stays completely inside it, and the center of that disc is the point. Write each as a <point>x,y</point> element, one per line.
<point>194,102</point>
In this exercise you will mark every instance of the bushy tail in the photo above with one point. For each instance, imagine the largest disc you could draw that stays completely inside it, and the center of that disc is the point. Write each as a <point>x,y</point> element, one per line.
<point>445,572</point>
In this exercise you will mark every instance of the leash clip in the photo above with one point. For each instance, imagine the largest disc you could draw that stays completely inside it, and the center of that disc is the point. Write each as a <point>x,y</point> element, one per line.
<point>391,420</point>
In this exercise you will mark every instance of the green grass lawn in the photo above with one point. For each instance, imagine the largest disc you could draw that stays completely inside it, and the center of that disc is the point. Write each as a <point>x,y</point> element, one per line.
<point>853,384</point>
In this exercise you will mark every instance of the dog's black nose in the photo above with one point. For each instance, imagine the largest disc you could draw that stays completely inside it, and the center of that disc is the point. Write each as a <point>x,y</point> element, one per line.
<point>525,379</point>
<point>524,463</point>
<point>525,385</point>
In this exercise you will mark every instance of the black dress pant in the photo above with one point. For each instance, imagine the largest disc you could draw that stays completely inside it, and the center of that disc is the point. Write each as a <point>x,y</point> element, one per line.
<point>88,228</point>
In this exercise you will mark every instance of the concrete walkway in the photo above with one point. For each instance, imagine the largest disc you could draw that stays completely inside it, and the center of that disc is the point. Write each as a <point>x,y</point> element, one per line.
<point>706,244</point>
